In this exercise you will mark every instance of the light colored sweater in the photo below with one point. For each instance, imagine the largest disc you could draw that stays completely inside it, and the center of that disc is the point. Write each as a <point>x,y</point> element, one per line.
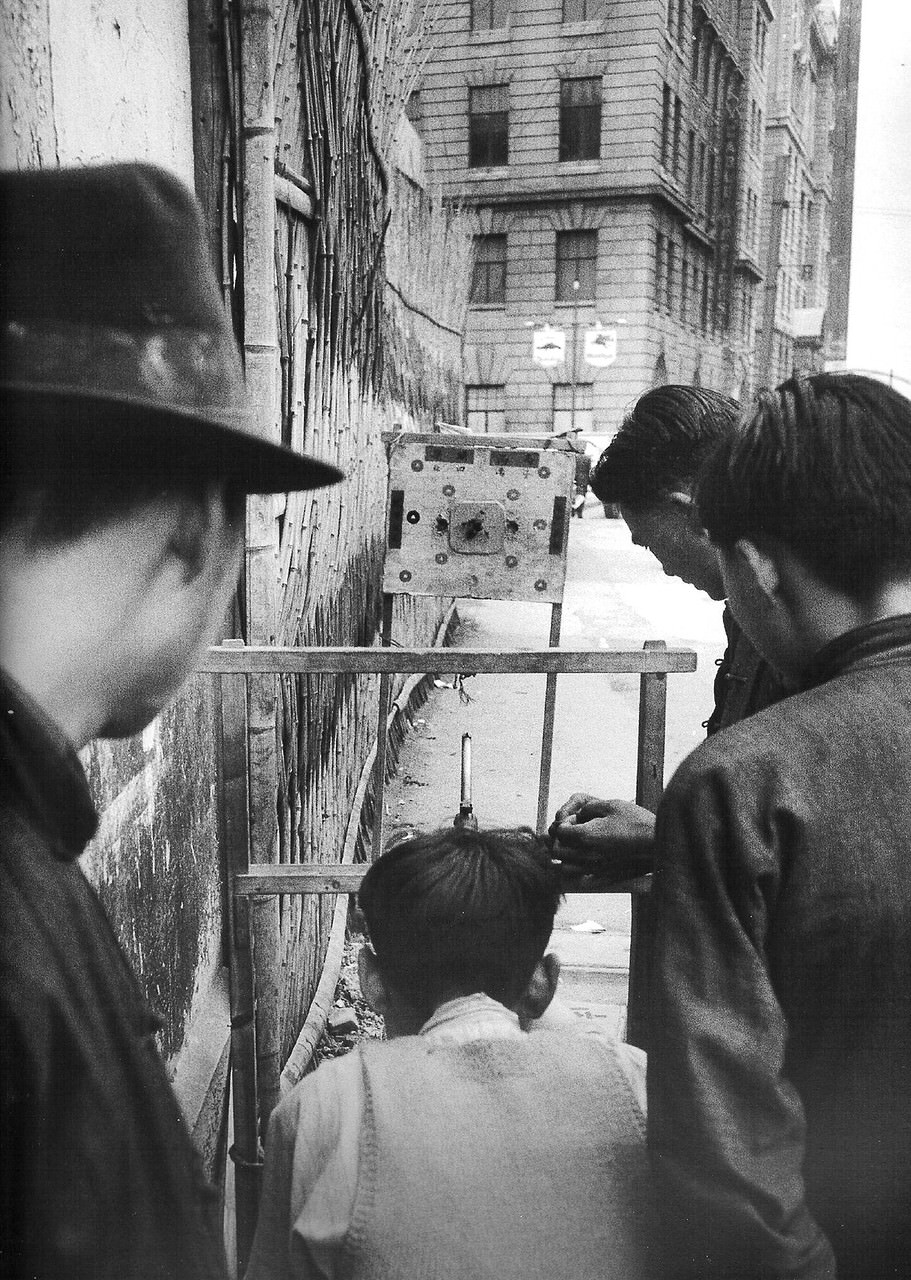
<point>523,1155</point>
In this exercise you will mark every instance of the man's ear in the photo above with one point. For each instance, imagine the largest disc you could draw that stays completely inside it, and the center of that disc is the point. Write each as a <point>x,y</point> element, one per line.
<point>373,985</point>
<point>761,572</point>
<point>541,988</point>
<point>200,529</point>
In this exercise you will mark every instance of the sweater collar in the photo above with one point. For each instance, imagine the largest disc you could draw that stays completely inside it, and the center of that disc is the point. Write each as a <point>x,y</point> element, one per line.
<point>41,773</point>
<point>874,644</point>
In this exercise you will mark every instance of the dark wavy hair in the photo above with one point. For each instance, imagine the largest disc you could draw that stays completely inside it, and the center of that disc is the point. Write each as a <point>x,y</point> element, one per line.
<point>453,912</point>
<point>662,443</point>
<point>823,465</point>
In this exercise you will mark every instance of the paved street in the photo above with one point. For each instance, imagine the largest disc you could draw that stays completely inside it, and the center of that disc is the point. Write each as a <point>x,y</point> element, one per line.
<point>616,597</point>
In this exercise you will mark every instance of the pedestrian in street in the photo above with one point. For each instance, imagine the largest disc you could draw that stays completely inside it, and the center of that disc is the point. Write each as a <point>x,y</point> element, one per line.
<point>779,1076</point>
<point>128,448</point>
<point>467,1145</point>
<point>582,467</point>
<point>649,469</point>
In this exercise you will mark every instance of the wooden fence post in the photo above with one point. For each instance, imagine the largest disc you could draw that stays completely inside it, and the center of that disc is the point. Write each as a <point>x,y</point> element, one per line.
<point>649,785</point>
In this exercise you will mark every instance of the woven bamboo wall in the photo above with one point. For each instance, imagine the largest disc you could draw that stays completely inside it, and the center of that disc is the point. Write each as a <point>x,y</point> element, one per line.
<point>358,356</point>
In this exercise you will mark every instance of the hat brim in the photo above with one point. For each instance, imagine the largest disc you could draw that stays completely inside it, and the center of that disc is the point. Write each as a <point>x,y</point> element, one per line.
<point>121,433</point>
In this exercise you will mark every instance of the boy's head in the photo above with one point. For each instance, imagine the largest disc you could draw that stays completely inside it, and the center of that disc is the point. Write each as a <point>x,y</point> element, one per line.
<point>455,912</point>
<point>809,504</point>
<point>650,470</point>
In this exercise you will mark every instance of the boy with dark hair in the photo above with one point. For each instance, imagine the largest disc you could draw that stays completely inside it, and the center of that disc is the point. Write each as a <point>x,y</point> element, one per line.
<point>779,1073</point>
<point>128,449</point>
<point>467,1147</point>
<point>649,469</point>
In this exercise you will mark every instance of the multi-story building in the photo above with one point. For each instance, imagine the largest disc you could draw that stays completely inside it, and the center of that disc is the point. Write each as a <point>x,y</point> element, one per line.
<point>611,154</point>
<point>797,182</point>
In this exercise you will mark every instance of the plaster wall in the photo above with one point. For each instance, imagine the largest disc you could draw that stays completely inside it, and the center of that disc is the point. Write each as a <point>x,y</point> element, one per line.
<point>86,81</point>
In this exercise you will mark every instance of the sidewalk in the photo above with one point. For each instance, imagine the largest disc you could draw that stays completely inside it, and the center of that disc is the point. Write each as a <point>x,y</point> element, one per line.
<point>616,597</point>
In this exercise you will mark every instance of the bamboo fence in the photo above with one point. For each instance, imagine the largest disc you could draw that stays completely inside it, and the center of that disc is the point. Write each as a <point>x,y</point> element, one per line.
<point>366,283</point>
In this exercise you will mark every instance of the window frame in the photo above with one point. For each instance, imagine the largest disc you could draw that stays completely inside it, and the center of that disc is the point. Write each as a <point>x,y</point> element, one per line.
<point>677,132</point>
<point>483,265</point>
<point>486,410</point>
<point>585,391</point>
<point>588,278</point>
<point>580,122</point>
<point>495,9</point>
<point>660,291</point>
<point>488,155</point>
<point>667,124</point>
<point>590,11</point>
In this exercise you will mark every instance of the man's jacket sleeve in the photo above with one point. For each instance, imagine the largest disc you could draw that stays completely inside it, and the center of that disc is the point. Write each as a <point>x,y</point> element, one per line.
<point>725,1127</point>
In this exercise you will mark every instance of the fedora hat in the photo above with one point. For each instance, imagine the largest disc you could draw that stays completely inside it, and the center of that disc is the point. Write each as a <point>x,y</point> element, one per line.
<point>114,340</point>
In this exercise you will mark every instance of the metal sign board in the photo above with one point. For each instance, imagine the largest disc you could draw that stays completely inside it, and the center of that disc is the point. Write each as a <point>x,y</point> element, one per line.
<point>548,347</point>
<point>477,517</point>
<point>600,347</point>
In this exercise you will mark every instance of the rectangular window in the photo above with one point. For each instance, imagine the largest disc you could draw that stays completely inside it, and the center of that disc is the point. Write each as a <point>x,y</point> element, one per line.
<point>667,126</point>
<point>580,119</point>
<point>660,269</point>
<point>710,187</point>
<point>705,300</point>
<point>718,84</point>
<point>488,126</point>
<point>696,49</point>
<point>563,416</point>
<point>489,15</point>
<point>577,256</point>
<point>691,164</point>
<point>684,285</point>
<point>488,279</point>
<point>675,142</point>
<point>759,40</point>
<point>485,408</point>
<point>671,268</point>
<point>579,10</point>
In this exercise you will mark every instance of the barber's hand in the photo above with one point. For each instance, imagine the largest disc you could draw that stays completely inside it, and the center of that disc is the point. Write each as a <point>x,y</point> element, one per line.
<point>609,840</point>
<point>580,802</point>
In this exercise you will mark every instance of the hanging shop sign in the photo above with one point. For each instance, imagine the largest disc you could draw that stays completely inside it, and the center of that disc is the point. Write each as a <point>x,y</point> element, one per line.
<point>548,347</point>
<point>600,347</point>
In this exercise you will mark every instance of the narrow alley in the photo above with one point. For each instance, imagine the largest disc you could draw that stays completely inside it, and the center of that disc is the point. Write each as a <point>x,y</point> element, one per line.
<point>616,597</point>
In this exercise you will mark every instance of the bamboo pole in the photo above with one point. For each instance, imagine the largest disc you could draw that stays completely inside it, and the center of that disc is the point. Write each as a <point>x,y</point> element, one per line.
<point>260,359</point>
<point>233,780</point>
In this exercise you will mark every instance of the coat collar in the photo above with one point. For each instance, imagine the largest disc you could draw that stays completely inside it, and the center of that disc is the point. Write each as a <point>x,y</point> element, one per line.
<point>41,773</point>
<point>875,644</point>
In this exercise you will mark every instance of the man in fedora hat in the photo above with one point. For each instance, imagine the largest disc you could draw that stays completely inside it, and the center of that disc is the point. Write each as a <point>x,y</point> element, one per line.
<point>128,451</point>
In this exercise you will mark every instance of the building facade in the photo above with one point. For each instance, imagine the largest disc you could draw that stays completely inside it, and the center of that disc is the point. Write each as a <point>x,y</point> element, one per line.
<point>798,185</point>
<point>611,154</point>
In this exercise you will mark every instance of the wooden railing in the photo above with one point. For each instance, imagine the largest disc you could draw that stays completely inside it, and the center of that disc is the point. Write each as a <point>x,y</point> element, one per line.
<point>250,878</point>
